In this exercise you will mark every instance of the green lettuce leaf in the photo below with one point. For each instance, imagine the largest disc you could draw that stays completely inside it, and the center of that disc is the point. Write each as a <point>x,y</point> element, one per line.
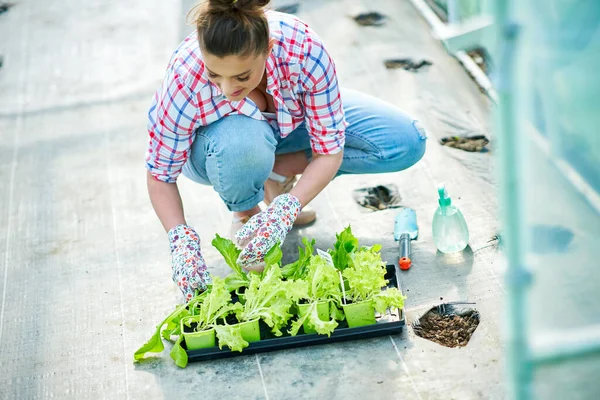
<point>173,327</point>
<point>297,269</point>
<point>233,281</point>
<point>366,278</point>
<point>230,253</point>
<point>296,325</point>
<point>269,297</point>
<point>322,283</point>
<point>323,280</point>
<point>274,255</point>
<point>376,248</point>
<point>296,290</point>
<point>237,309</point>
<point>365,275</point>
<point>335,312</point>
<point>322,327</point>
<point>155,344</point>
<point>345,245</point>
<point>312,315</point>
<point>178,354</point>
<point>389,298</point>
<point>217,305</point>
<point>231,336</point>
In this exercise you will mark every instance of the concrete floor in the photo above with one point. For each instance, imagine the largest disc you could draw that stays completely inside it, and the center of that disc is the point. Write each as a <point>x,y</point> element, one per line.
<point>84,265</point>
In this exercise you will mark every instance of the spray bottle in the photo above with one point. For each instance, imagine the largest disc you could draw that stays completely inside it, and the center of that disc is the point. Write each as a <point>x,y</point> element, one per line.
<point>450,231</point>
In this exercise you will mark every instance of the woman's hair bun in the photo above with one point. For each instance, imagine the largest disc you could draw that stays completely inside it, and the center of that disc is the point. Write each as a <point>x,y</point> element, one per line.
<point>251,6</point>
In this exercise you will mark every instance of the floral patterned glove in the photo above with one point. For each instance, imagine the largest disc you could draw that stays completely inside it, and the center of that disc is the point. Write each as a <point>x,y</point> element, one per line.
<point>189,268</point>
<point>265,230</point>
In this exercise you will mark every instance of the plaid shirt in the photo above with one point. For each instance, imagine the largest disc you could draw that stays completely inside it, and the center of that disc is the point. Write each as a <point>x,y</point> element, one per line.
<point>301,77</point>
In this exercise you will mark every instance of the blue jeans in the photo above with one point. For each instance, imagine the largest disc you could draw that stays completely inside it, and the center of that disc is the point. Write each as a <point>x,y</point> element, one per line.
<point>236,154</point>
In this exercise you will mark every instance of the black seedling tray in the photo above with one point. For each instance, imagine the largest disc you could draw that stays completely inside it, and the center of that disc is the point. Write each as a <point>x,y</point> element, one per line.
<point>388,324</point>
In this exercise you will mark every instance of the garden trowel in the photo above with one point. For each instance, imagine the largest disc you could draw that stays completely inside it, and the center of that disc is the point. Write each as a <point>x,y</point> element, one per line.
<point>405,230</point>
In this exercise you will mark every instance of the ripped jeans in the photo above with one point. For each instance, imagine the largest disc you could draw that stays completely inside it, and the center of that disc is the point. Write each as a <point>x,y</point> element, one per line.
<point>236,154</point>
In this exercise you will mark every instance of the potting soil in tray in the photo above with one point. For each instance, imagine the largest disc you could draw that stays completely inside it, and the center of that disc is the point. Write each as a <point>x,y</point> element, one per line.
<point>388,324</point>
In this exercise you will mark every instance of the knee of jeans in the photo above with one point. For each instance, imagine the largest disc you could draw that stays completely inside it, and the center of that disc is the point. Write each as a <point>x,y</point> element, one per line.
<point>245,155</point>
<point>242,178</point>
<point>420,141</point>
<point>410,147</point>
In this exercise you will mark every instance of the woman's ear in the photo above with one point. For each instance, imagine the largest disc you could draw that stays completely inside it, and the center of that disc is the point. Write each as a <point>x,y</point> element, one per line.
<point>271,44</point>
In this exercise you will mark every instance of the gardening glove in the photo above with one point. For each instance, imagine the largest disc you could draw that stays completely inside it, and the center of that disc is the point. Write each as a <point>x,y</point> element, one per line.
<point>265,230</point>
<point>189,269</point>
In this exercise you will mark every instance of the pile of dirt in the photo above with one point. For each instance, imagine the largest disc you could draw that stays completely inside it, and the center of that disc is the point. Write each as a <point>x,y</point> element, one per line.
<point>407,64</point>
<point>378,197</point>
<point>370,19</point>
<point>450,330</point>
<point>474,143</point>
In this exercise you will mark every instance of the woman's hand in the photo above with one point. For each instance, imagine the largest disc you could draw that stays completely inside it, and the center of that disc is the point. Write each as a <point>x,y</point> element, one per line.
<point>189,269</point>
<point>265,230</point>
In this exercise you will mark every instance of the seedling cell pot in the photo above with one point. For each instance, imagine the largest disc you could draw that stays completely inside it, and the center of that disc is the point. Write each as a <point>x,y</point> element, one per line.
<point>359,314</point>
<point>197,340</point>
<point>250,330</point>
<point>322,310</point>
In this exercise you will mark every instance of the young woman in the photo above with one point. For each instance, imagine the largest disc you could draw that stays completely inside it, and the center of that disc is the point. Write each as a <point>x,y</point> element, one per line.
<point>250,101</point>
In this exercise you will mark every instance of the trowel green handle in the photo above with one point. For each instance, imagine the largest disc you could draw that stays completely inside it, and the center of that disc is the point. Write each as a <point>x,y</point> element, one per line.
<point>404,250</point>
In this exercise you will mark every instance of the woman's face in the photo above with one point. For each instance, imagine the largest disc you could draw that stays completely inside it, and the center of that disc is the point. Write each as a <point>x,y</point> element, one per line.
<point>236,76</point>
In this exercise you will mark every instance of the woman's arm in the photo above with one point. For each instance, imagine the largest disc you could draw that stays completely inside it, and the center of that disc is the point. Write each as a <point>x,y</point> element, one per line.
<point>166,201</point>
<point>317,176</point>
<point>170,138</point>
<point>324,117</point>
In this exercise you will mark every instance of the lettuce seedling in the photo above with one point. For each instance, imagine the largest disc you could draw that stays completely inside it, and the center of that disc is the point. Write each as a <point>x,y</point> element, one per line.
<point>230,253</point>
<point>298,269</point>
<point>346,244</point>
<point>322,284</point>
<point>366,278</point>
<point>270,298</point>
<point>155,344</point>
<point>216,306</point>
<point>231,336</point>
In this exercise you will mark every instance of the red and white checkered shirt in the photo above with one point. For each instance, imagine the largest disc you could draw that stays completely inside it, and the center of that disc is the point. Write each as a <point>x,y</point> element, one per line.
<point>301,77</point>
